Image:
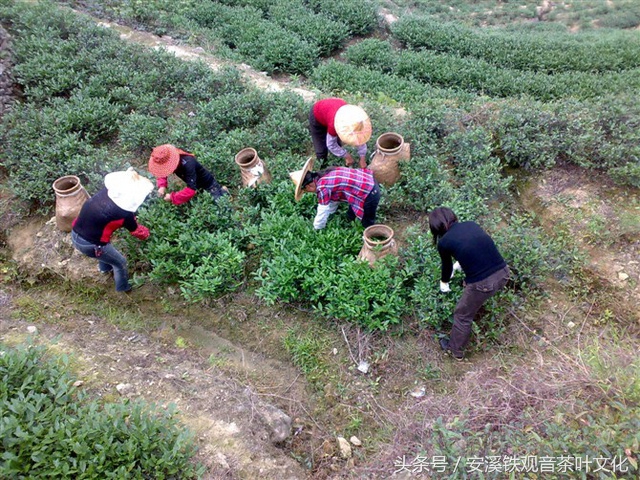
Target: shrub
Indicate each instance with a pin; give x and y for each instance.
(373, 53)
(481, 77)
(531, 51)
(38, 148)
(321, 267)
(196, 246)
(51, 429)
(338, 78)
(266, 46)
(360, 16)
(319, 30)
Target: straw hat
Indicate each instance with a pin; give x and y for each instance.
(127, 189)
(164, 160)
(352, 125)
(298, 177)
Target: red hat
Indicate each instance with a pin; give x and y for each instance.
(164, 160)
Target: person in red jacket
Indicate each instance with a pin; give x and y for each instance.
(167, 159)
(113, 207)
(334, 123)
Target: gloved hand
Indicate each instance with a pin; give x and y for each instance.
(141, 233)
(456, 268)
(444, 287)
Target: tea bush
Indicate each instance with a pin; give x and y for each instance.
(320, 267)
(38, 149)
(373, 53)
(265, 45)
(360, 16)
(51, 429)
(338, 78)
(317, 29)
(196, 246)
(531, 51)
(451, 70)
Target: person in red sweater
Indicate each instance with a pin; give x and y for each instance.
(334, 123)
(108, 210)
(167, 159)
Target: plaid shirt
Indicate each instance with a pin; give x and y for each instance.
(346, 185)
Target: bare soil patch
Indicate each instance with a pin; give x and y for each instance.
(605, 221)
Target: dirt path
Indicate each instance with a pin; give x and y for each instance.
(259, 79)
(237, 431)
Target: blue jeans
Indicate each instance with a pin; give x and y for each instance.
(110, 260)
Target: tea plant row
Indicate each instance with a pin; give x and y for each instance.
(549, 53)
(275, 36)
(50, 428)
(481, 77)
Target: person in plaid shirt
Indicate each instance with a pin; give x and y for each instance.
(357, 187)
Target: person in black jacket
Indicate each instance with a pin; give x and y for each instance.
(477, 256)
(111, 208)
(167, 159)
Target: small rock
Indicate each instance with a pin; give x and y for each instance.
(278, 422)
(78, 383)
(335, 351)
(622, 276)
(221, 459)
(363, 366)
(419, 392)
(355, 441)
(31, 329)
(345, 448)
(571, 325)
(122, 388)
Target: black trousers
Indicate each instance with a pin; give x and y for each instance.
(319, 137)
(215, 189)
(370, 207)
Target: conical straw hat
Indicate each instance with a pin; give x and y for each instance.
(127, 189)
(353, 125)
(298, 177)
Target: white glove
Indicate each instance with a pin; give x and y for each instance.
(444, 287)
(456, 268)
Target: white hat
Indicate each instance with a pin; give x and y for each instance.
(352, 125)
(127, 189)
(298, 177)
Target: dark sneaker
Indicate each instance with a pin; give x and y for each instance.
(444, 344)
